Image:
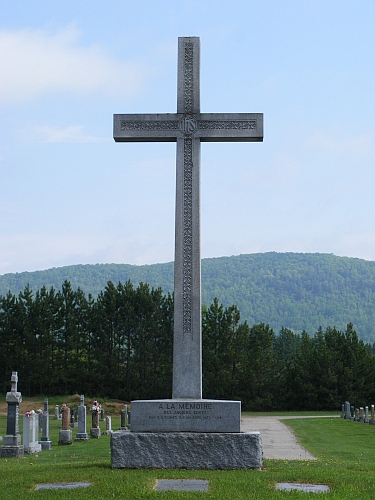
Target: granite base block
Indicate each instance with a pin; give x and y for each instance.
(186, 450)
(32, 449)
(95, 432)
(46, 445)
(65, 437)
(12, 451)
(82, 436)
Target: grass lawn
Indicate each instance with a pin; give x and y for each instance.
(346, 452)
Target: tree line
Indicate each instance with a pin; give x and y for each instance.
(120, 344)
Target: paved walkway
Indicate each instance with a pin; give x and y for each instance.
(278, 440)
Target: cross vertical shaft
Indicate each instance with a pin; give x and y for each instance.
(187, 343)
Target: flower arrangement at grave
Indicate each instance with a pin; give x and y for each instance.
(96, 408)
(30, 413)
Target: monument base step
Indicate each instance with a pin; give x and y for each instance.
(11, 451)
(32, 449)
(186, 450)
(185, 415)
(46, 445)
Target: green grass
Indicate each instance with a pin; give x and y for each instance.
(346, 452)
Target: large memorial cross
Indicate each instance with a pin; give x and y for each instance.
(188, 127)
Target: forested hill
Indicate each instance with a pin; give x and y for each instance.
(297, 291)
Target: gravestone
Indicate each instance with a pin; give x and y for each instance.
(82, 433)
(45, 442)
(361, 416)
(124, 417)
(347, 411)
(30, 433)
(40, 415)
(108, 425)
(57, 413)
(12, 440)
(175, 428)
(367, 420)
(65, 434)
(372, 420)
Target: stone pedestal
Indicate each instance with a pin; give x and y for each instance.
(95, 432)
(65, 436)
(186, 450)
(186, 433)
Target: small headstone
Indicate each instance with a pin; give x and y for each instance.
(30, 433)
(181, 485)
(352, 417)
(65, 435)
(101, 415)
(57, 413)
(367, 420)
(347, 410)
(82, 433)
(45, 442)
(108, 425)
(12, 441)
(342, 411)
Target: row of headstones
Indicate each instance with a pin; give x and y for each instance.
(12, 441)
(360, 414)
(73, 416)
(32, 422)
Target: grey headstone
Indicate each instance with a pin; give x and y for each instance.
(45, 442)
(82, 432)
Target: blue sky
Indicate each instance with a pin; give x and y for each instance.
(70, 195)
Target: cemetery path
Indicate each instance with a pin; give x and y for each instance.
(278, 440)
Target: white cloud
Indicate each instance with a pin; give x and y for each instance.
(35, 62)
(49, 134)
(340, 142)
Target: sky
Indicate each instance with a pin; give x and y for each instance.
(70, 195)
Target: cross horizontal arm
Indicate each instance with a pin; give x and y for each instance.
(204, 126)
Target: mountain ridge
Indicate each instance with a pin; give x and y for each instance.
(300, 291)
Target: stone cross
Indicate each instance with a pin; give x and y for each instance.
(188, 127)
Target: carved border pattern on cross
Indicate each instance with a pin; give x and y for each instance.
(187, 236)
